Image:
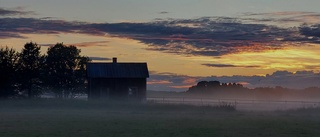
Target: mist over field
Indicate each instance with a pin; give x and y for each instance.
(65, 118)
(262, 99)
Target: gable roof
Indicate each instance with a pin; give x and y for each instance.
(117, 70)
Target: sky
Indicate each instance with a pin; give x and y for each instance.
(253, 42)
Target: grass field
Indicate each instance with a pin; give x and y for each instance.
(76, 118)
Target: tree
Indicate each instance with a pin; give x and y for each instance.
(65, 70)
(30, 65)
(8, 62)
(213, 84)
(202, 86)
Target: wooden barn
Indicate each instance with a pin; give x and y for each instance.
(117, 80)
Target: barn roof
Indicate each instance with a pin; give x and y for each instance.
(117, 70)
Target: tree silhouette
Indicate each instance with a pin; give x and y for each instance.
(65, 69)
(8, 81)
(30, 65)
(215, 86)
(202, 85)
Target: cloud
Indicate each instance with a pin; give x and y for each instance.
(283, 17)
(18, 26)
(99, 58)
(82, 44)
(170, 82)
(212, 36)
(280, 74)
(181, 87)
(313, 67)
(158, 82)
(228, 66)
(205, 36)
(311, 31)
(5, 35)
(163, 12)
(35, 26)
(15, 12)
(92, 43)
(284, 13)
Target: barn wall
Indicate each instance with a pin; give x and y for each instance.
(117, 88)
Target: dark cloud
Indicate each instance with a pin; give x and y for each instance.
(215, 36)
(309, 28)
(47, 45)
(206, 36)
(37, 26)
(5, 35)
(311, 31)
(82, 44)
(170, 82)
(100, 58)
(280, 74)
(163, 12)
(228, 66)
(17, 26)
(14, 12)
(91, 43)
(141, 30)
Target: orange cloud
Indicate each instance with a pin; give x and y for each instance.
(190, 81)
(244, 83)
(159, 82)
(88, 44)
(182, 86)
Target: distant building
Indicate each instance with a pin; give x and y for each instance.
(117, 80)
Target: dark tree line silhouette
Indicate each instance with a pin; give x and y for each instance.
(29, 73)
(214, 86)
(235, 90)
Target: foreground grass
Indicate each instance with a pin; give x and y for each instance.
(73, 118)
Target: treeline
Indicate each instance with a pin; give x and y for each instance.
(235, 90)
(214, 86)
(62, 70)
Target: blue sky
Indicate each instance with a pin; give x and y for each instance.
(242, 41)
